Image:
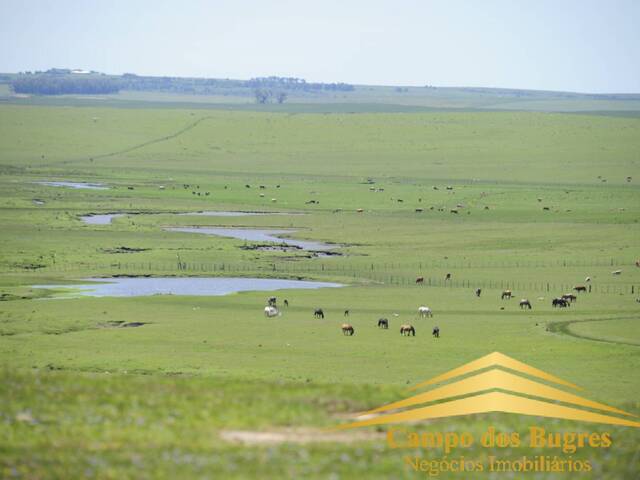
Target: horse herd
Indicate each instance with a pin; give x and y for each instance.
(562, 301)
(271, 310)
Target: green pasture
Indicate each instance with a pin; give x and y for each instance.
(533, 202)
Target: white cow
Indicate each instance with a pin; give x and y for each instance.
(271, 311)
(425, 312)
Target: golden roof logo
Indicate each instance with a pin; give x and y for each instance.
(493, 390)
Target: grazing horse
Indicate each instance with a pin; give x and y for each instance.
(436, 332)
(346, 313)
(420, 280)
(478, 292)
(524, 303)
(570, 297)
(425, 312)
(286, 302)
(560, 303)
(347, 329)
(318, 313)
(383, 323)
(580, 288)
(506, 294)
(448, 276)
(271, 301)
(271, 311)
(407, 330)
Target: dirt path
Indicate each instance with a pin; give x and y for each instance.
(297, 436)
(166, 138)
(564, 328)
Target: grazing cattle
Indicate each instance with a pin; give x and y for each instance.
(346, 313)
(318, 313)
(524, 303)
(506, 294)
(436, 332)
(580, 288)
(271, 301)
(271, 312)
(425, 312)
(560, 303)
(347, 329)
(478, 292)
(448, 276)
(286, 302)
(420, 280)
(383, 323)
(569, 297)
(407, 330)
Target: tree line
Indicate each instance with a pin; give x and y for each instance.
(64, 81)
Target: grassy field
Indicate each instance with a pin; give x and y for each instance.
(541, 202)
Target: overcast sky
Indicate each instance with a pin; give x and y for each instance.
(575, 45)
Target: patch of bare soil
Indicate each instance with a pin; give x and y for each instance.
(297, 436)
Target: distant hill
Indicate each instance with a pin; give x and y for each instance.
(276, 91)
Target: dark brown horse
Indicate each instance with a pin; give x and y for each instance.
(524, 303)
(506, 294)
(383, 323)
(420, 280)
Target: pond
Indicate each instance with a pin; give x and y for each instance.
(105, 218)
(91, 186)
(256, 235)
(212, 286)
(100, 219)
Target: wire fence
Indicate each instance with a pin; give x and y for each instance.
(384, 273)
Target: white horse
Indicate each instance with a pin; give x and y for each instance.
(271, 311)
(425, 312)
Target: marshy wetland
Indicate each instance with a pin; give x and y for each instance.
(542, 201)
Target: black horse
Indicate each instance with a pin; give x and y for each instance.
(286, 302)
(478, 292)
(272, 301)
(436, 332)
(560, 303)
(383, 323)
(318, 313)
